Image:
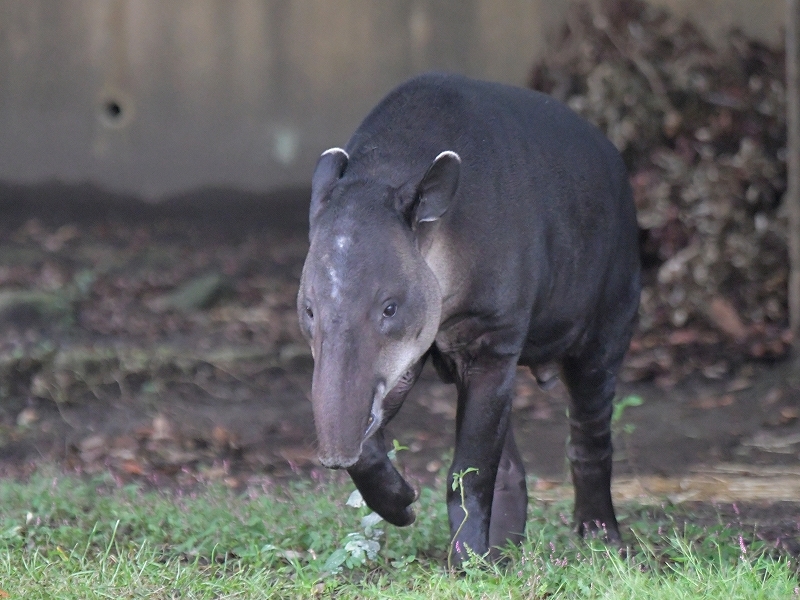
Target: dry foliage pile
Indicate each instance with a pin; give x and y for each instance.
(703, 131)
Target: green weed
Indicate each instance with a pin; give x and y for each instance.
(620, 406)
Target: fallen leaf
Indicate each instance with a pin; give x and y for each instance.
(772, 396)
(789, 414)
(143, 432)
(768, 442)
(709, 402)
(440, 406)
(122, 454)
(716, 371)
(681, 337)
(545, 484)
(93, 447)
(123, 447)
(132, 467)
(223, 438)
(739, 384)
(176, 456)
(162, 428)
(433, 466)
(27, 417)
(63, 234)
(726, 319)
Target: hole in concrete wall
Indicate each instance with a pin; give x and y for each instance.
(114, 111)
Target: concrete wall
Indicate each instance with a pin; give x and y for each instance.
(156, 97)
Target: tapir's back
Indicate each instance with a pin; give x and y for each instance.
(486, 123)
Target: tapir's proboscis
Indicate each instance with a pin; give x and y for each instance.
(482, 226)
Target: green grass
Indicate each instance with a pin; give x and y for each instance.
(62, 537)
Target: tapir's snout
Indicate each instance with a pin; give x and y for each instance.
(339, 443)
(332, 457)
(338, 447)
(345, 415)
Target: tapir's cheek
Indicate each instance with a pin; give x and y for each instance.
(396, 359)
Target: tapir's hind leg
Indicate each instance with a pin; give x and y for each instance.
(510, 501)
(591, 385)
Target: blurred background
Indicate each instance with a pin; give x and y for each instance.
(155, 158)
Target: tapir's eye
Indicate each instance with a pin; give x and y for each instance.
(390, 310)
(309, 312)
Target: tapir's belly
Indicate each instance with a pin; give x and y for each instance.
(553, 345)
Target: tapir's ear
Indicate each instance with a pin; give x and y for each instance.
(437, 188)
(329, 169)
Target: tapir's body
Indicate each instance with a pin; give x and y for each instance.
(485, 226)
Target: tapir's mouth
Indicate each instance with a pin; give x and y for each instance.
(335, 462)
(376, 411)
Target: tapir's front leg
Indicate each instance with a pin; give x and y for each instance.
(381, 485)
(484, 403)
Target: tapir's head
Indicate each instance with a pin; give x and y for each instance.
(368, 304)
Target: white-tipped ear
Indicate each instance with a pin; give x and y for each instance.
(437, 188)
(330, 167)
(335, 150)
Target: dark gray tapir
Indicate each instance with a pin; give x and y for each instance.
(483, 226)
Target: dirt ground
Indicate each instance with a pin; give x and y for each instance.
(159, 343)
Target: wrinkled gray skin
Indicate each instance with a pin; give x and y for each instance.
(482, 226)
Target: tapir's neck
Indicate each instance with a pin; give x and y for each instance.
(438, 255)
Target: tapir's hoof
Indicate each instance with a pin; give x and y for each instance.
(598, 530)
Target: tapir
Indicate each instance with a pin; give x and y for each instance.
(481, 226)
